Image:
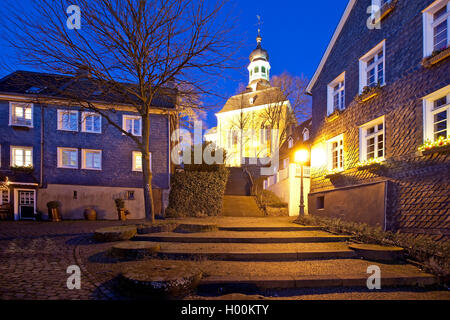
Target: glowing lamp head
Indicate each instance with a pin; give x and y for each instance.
(301, 156)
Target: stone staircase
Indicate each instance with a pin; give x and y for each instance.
(238, 183)
(253, 257)
(240, 206)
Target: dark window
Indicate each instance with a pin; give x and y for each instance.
(130, 195)
(320, 202)
(75, 195)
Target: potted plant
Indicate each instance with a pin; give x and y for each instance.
(120, 205)
(53, 211)
(90, 214)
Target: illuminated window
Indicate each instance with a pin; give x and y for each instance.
(372, 68)
(436, 115)
(132, 124)
(21, 156)
(92, 122)
(68, 158)
(436, 19)
(67, 120)
(92, 159)
(372, 144)
(137, 161)
(336, 153)
(21, 114)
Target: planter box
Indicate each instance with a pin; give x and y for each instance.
(363, 97)
(388, 8)
(333, 116)
(333, 175)
(442, 149)
(373, 166)
(430, 61)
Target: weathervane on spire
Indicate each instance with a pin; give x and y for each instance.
(259, 24)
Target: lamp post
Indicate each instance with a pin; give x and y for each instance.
(301, 156)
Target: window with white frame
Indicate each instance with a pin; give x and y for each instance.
(336, 94)
(372, 145)
(305, 134)
(21, 114)
(372, 67)
(21, 156)
(92, 122)
(137, 161)
(336, 153)
(68, 158)
(92, 159)
(290, 142)
(436, 31)
(132, 124)
(68, 120)
(4, 197)
(436, 115)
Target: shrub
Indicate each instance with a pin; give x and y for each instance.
(204, 167)
(197, 193)
(268, 198)
(53, 205)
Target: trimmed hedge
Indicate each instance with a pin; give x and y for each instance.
(197, 194)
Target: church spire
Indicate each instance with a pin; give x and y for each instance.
(259, 68)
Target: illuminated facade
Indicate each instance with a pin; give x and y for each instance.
(246, 125)
(380, 120)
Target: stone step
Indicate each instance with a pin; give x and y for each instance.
(244, 237)
(240, 206)
(271, 229)
(255, 252)
(226, 284)
(260, 256)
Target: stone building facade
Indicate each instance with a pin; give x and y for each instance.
(52, 151)
(378, 95)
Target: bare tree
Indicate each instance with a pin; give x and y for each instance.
(137, 51)
(241, 122)
(277, 116)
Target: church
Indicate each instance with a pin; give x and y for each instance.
(253, 124)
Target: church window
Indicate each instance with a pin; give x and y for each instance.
(256, 69)
(263, 69)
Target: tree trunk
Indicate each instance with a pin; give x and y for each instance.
(147, 173)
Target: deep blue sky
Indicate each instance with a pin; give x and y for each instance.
(295, 33)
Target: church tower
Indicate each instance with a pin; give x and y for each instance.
(259, 67)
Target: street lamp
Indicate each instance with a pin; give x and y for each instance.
(301, 156)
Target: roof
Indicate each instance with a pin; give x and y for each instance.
(254, 99)
(333, 40)
(297, 136)
(45, 85)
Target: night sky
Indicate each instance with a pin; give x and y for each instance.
(295, 33)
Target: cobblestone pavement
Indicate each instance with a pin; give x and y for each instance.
(34, 257)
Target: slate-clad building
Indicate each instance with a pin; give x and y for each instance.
(380, 118)
(53, 150)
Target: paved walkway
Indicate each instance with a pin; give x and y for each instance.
(34, 258)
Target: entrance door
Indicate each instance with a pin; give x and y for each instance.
(26, 204)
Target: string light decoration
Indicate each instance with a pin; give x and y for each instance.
(440, 142)
(370, 162)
